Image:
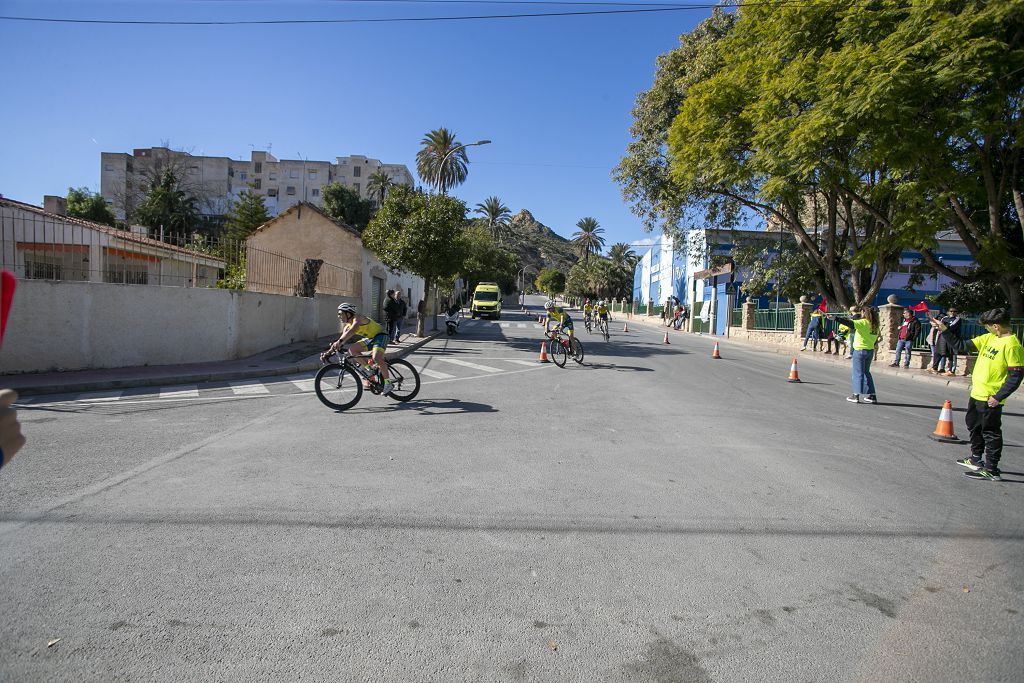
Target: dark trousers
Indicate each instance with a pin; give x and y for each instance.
(986, 427)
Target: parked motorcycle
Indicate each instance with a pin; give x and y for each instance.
(452, 318)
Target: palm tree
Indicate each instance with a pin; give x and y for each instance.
(622, 257)
(497, 215)
(378, 185)
(588, 239)
(441, 161)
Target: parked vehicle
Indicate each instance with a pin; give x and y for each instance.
(452, 318)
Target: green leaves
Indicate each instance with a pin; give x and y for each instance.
(82, 203)
(246, 214)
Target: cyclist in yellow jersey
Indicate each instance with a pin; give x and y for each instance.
(588, 310)
(602, 310)
(559, 315)
(371, 337)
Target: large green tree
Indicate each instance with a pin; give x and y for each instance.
(344, 204)
(484, 261)
(419, 233)
(168, 206)
(247, 213)
(441, 161)
(550, 281)
(82, 203)
(588, 238)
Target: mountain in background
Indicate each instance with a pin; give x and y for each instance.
(537, 245)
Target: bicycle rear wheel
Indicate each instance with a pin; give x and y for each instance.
(338, 386)
(577, 350)
(556, 353)
(406, 380)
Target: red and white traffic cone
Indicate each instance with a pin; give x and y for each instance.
(794, 376)
(944, 427)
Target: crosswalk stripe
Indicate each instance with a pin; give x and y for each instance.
(467, 364)
(302, 382)
(102, 396)
(435, 374)
(531, 363)
(504, 325)
(185, 391)
(249, 388)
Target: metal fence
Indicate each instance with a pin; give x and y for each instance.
(778, 319)
(697, 324)
(41, 246)
(969, 328)
(737, 317)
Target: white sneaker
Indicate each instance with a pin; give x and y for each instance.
(388, 388)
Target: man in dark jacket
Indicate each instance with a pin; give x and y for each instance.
(403, 310)
(391, 309)
(909, 331)
(944, 360)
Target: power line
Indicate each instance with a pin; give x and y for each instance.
(643, 9)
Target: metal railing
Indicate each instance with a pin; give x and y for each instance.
(737, 317)
(778, 319)
(42, 246)
(969, 328)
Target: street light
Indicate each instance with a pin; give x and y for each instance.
(453, 150)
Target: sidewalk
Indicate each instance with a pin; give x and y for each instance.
(958, 383)
(291, 359)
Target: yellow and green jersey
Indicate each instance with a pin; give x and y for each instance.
(370, 329)
(558, 314)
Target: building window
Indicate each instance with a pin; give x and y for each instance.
(108, 167)
(243, 175)
(193, 170)
(312, 173)
(293, 174)
(273, 176)
(258, 167)
(126, 275)
(43, 270)
(272, 192)
(291, 189)
(231, 173)
(258, 184)
(316, 191)
(357, 171)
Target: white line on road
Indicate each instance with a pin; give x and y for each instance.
(467, 364)
(520, 362)
(248, 388)
(180, 392)
(101, 396)
(434, 373)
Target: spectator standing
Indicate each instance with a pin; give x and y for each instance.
(390, 314)
(864, 335)
(909, 330)
(997, 374)
(814, 329)
(933, 344)
(403, 311)
(945, 353)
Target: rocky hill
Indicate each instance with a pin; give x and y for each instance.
(537, 245)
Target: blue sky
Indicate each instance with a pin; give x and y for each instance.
(553, 94)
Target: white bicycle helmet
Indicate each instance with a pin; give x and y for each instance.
(549, 304)
(347, 308)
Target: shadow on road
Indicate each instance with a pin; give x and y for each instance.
(937, 407)
(432, 406)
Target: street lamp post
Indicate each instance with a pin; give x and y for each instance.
(453, 150)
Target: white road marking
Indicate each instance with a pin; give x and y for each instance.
(101, 396)
(434, 373)
(180, 392)
(467, 364)
(303, 382)
(520, 362)
(248, 388)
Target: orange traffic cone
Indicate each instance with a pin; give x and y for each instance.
(665, 341)
(794, 376)
(944, 427)
(625, 327)
(543, 353)
(715, 353)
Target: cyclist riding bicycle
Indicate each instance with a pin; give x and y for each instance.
(588, 309)
(371, 336)
(602, 310)
(559, 315)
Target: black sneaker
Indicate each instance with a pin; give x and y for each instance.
(985, 475)
(870, 398)
(854, 398)
(970, 463)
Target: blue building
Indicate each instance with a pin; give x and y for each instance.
(681, 269)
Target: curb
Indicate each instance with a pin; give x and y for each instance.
(310, 364)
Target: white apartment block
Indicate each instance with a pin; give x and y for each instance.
(217, 181)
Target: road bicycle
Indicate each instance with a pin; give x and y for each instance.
(588, 323)
(340, 385)
(602, 328)
(561, 347)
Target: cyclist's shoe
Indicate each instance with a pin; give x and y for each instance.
(970, 464)
(389, 386)
(366, 384)
(985, 475)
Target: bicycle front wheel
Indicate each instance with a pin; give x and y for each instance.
(577, 350)
(338, 386)
(557, 353)
(406, 380)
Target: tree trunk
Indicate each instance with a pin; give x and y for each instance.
(1011, 286)
(421, 318)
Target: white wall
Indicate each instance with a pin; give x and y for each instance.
(372, 267)
(85, 325)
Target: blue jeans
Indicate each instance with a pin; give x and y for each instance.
(863, 382)
(901, 346)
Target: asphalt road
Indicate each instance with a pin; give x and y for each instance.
(651, 515)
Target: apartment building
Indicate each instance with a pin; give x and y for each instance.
(217, 181)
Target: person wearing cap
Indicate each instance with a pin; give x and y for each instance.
(997, 373)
